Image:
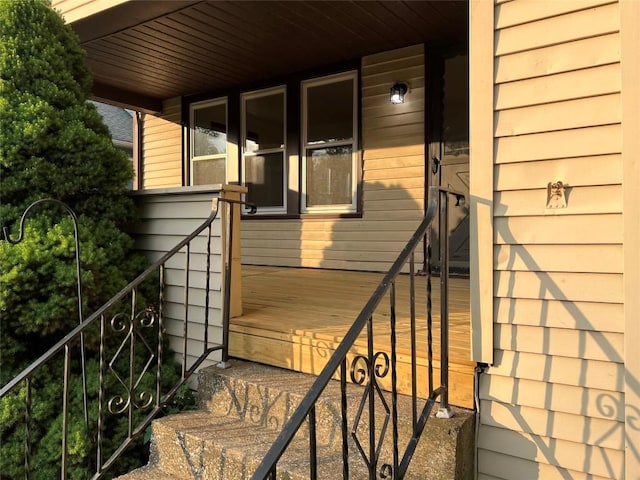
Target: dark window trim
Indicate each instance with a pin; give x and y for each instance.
(292, 84)
(303, 216)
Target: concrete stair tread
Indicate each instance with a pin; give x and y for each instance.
(245, 407)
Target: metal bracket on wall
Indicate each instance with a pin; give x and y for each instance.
(556, 197)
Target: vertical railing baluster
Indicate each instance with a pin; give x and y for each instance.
(344, 425)
(373, 461)
(394, 377)
(412, 318)
(272, 474)
(429, 319)
(101, 393)
(27, 428)
(313, 445)
(132, 361)
(207, 293)
(185, 326)
(444, 410)
(160, 335)
(65, 412)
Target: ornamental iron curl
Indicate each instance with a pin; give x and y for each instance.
(131, 326)
(372, 372)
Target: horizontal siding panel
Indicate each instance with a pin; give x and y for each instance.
(271, 229)
(564, 28)
(576, 172)
(158, 150)
(597, 140)
(166, 243)
(197, 297)
(378, 81)
(587, 287)
(559, 229)
(573, 114)
(590, 459)
(394, 184)
(580, 200)
(151, 227)
(546, 423)
(394, 152)
(554, 88)
(163, 183)
(169, 175)
(601, 317)
(559, 258)
(327, 254)
(399, 162)
(362, 232)
(560, 342)
(415, 194)
(370, 266)
(320, 245)
(394, 205)
(564, 57)
(570, 399)
(394, 173)
(524, 11)
(511, 467)
(563, 370)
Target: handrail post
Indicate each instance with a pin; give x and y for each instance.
(445, 410)
(232, 274)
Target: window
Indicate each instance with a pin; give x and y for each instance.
(208, 150)
(329, 143)
(263, 149)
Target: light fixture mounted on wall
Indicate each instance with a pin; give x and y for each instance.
(398, 91)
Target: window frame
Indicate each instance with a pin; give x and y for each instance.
(280, 210)
(192, 158)
(305, 145)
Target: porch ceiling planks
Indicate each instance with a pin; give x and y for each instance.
(295, 318)
(143, 51)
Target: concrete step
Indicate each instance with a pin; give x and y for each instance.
(243, 409)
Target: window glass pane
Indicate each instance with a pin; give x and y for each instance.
(329, 180)
(264, 178)
(210, 130)
(206, 172)
(264, 122)
(330, 112)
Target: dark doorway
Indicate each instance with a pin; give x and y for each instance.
(448, 146)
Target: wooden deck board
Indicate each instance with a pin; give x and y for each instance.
(295, 317)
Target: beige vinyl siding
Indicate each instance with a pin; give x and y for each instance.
(167, 216)
(551, 404)
(392, 189)
(162, 147)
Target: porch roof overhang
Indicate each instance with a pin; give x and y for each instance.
(142, 52)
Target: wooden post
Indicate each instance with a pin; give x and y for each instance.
(232, 192)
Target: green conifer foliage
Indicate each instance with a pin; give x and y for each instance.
(52, 144)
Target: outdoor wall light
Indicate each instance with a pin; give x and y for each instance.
(398, 91)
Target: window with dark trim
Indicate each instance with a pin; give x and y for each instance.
(264, 169)
(294, 146)
(208, 142)
(329, 144)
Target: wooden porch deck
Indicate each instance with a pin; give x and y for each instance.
(295, 317)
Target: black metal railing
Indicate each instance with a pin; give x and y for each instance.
(368, 370)
(129, 332)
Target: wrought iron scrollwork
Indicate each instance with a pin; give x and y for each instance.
(131, 326)
(364, 369)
